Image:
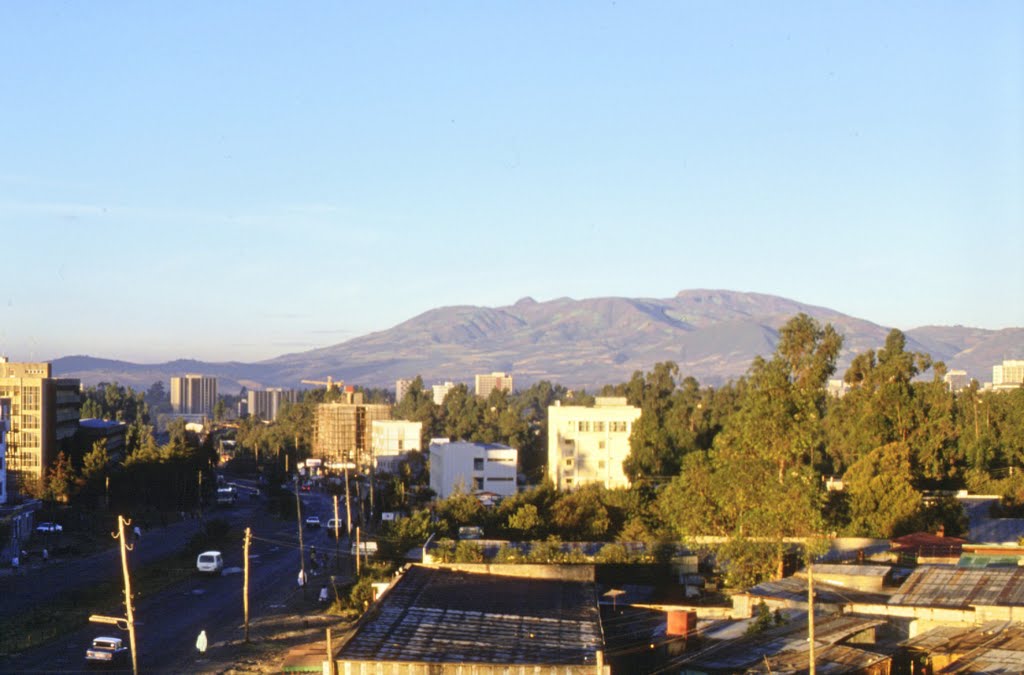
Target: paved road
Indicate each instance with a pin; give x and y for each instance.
(169, 622)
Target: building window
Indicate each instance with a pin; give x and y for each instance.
(478, 483)
(600, 464)
(600, 445)
(478, 464)
(568, 463)
(584, 426)
(598, 426)
(617, 427)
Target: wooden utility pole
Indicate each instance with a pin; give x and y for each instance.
(337, 538)
(357, 551)
(130, 614)
(330, 654)
(302, 551)
(245, 582)
(810, 615)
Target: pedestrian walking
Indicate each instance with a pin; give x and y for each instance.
(46, 555)
(302, 578)
(201, 642)
(323, 595)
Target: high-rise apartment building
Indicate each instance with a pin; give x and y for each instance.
(485, 384)
(193, 394)
(1008, 375)
(401, 389)
(43, 417)
(343, 432)
(266, 403)
(589, 444)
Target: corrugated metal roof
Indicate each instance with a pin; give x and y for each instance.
(994, 648)
(794, 589)
(749, 652)
(962, 588)
(850, 570)
(446, 616)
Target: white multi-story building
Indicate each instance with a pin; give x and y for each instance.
(956, 379)
(392, 440)
(1008, 375)
(475, 467)
(589, 444)
(266, 404)
(441, 390)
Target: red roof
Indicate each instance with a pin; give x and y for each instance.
(933, 542)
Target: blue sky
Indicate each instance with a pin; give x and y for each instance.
(241, 180)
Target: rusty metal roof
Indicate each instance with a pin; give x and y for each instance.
(962, 588)
(447, 616)
(794, 589)
(996, 647)
(786, 642)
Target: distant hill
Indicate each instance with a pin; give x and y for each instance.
(712, 334)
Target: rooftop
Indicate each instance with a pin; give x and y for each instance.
(962, 588)
(446, 616)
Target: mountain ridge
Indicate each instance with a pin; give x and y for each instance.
(712, 334)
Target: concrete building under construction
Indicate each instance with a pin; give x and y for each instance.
(343, 431)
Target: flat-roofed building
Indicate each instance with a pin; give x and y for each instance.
(343, 432)
(193, 394)
(956, 379)
(473, 467)
(1008, 375)
(401, 389)
(267, 403)
(536, 619)
(113, 434)
(589, 444)
(44, 417)
(392, 440)
(485, 384)
(440, 391)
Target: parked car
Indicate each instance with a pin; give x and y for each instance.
(210, 562)
(312, 521)
(340, 523)
(49, 527)
(106, 652)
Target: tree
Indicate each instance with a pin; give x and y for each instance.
(219, 410)
(883, 501)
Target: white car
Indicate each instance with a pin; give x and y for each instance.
(210, 562)
(107, 651)
(49, 527)
(313, 521)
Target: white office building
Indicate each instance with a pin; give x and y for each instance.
(392, 440)
(589, 444)
(475, 467)
(266, 403)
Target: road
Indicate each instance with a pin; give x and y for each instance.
(169, 622)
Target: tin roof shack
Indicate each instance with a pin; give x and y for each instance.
(842, 644)
(955, 596)
(836, 588)
(996, 647)
(924, 548)
(448, 618)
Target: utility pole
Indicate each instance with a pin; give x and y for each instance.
(130, 614)
(199, 497)
(337, 539)
(330, 654)
(810, 614)
(245, 582)
(302, 551)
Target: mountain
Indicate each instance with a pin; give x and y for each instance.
(712, 334)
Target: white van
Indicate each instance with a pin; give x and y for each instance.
(210, 562)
